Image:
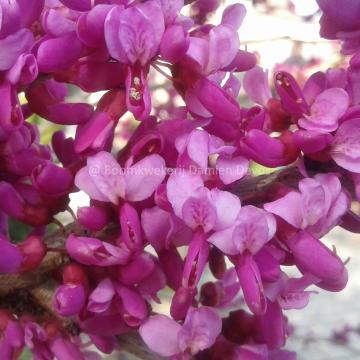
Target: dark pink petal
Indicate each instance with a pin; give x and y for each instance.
(11, 257)
(312, 256)
(12, 203)
(273, 326)
(78, 5)
(195, 261)
(63, 349)
(160, 334)
(101, 297)
(137, 270)
(90, 251)
(105, 344)
(243, 61)
(69, 299)
(56, 24)
(292, 98)
(58, 53)
(11, 116)
(312, 141)
(92, 218)
(130, 227)
(24, 71)
(268, 264)
(135, 307)
(13, 46)
(68, 113)
(108, 324)
(268, 151)
(90, 26)
(181, 302)
(216, 100)
(154, 283)
(95, 133)
(174, 43)
(51, 179)
(251, 284)
(138, 99)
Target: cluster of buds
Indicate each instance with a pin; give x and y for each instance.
(169, 196)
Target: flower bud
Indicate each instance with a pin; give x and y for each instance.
(33, 251)
(51, 179)
(93, 218)
(181, 302)
(69, 299)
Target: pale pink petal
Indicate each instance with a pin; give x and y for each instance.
(107, 175)
(252, 229)
(198, 211)
(234, 15)
(345, 150)
(288, 208)
(160, 334)
(231, 170)
(227, 207)
(256, 85)
(327, 109)
(180, 187)
(223, 241)
(84, 182)
(144, 177)
(200, 330)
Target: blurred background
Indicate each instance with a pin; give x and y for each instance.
(284, 35)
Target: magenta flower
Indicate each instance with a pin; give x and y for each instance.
(69, 299)
(168, 338)
(123, 300)
(90, 251)
(252, 229)
(317, 207)
(133, 37)
(199, 206)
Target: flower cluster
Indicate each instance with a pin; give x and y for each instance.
(220, 256)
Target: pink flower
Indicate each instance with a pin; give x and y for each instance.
(168, 338)
(103, 179)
